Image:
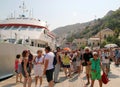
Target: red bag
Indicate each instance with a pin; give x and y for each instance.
(105, 79)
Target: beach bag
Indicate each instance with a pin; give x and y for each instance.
(105, 79)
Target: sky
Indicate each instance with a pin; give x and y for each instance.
(59, 13)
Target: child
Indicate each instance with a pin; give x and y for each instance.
(18, 68)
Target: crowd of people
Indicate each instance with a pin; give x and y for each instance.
(71, 62)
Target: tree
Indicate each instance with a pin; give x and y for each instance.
(113, 39)
(83, 46)
(110, 39)
(103, 44)
(117, 41)
(117, 31)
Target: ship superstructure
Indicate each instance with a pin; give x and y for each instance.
(21, 33)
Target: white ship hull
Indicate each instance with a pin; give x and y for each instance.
(7, 57)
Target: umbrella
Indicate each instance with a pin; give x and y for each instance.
(111, 45)
(66, 49)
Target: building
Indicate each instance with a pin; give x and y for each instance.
(77, 43)
(94, 42)
(103, 34)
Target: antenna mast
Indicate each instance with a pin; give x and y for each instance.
(24, 10)
(31, 13)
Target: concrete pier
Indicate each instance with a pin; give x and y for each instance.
(75, 81)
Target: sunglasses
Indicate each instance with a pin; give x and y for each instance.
(95, 55)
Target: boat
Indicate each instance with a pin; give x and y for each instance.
(18, 34)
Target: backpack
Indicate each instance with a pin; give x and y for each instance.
(55, 60)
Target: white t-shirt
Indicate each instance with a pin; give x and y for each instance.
(103, 58)
(74, 55)
(50, 56)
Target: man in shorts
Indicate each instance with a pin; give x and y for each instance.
(48, 66)
(105, 61)
(86, 57)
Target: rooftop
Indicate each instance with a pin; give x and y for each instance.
(94, 38)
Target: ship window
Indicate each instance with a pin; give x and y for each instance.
(32, 43)
(31, 29)
(38, 29)
(38, 45)
(15, 28)
(44, 32)
(23, 28)
(7, 28)
(11, 40)
(2, 27)
(19, 41)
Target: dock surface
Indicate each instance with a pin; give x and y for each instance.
(75, 81)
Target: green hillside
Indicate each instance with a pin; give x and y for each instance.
(86, 30)
(111, 21)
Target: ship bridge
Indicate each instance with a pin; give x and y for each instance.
(23, 30)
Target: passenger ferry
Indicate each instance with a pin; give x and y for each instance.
(18, 34)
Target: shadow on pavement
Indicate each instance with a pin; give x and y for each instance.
(62, 79)
(74, 78)
(84, 78)
(9, 85)
(6, 78)
(113, 76)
